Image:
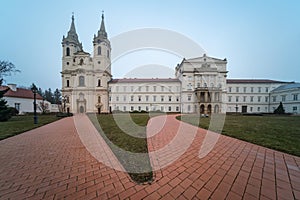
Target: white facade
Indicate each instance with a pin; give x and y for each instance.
(199, 86)
(289, 95)
(85, 78)
(250, 96)
(145, 95)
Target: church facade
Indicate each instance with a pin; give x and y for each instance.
(200, 85)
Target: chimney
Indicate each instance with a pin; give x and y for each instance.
(12, 86)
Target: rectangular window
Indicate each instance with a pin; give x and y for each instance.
(189, 108)
(170, 88)
(162, 98)
(131, 98)
(170, 98)
(117, 88)
(229, 89)
(177, 98)
(258, 109)
(109, 89)
(295, 108)
(229, 99)
(251, 99)
(237, 89)
(252, 89)
(147, 108)
(295, 97)
(147, 88)
(124, 98)
(124, 88)
(251, 109)
(245, 89)
(259, 89)
(189, 98)
(267, 89)
(177, 88)
(140, 88)
(170, 108)
(140, 98)
(177, 109)
(259, 99)
(237, 99)
(139, 108)
(117, 98)
(124, 108)
(283, 98)
(162, 88)
(274, 98)
(131, 108)
(131, 88)
(266, 99)
(162, 108)
(109, 98)
(147, 98)
(244, 99)
(154, 88)
(68, 83)
(154, 98)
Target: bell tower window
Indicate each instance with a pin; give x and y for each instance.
(68, 83)
(81, 80)
(99, 50)
(68, 51)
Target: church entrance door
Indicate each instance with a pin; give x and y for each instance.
(81, 109)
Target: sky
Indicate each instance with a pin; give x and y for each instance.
(259, 39)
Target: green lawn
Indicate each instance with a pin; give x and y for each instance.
(20, 124)
(135, 141)
(277, 132)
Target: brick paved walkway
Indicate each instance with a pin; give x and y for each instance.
(51, 162)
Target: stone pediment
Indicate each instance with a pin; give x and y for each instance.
(206, 59)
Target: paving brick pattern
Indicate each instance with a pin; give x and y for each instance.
(51, 162)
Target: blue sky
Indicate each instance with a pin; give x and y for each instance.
(260, 39)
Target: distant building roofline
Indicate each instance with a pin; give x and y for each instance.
(143, 80)
(254, 81)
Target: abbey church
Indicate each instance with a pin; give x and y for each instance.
(200, 85)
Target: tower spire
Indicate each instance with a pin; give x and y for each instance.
(72, 36)
(102, 32)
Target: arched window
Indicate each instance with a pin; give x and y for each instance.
(68, 51)
(108, 53)
(99, 82)
(81, 80)
(99, 50)
(81, 62)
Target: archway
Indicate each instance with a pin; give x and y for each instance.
(81, 109)
(202, 109)
(216, 109)
(209, 109)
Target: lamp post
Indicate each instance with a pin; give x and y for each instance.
(34, 90)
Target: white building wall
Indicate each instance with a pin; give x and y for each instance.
(25, 105)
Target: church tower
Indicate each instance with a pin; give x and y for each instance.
(85, 78)
(102, 49)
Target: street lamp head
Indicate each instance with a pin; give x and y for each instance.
(34, 89)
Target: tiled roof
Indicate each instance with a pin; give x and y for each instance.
(253, 81)
(143, 80)
(20, 93)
